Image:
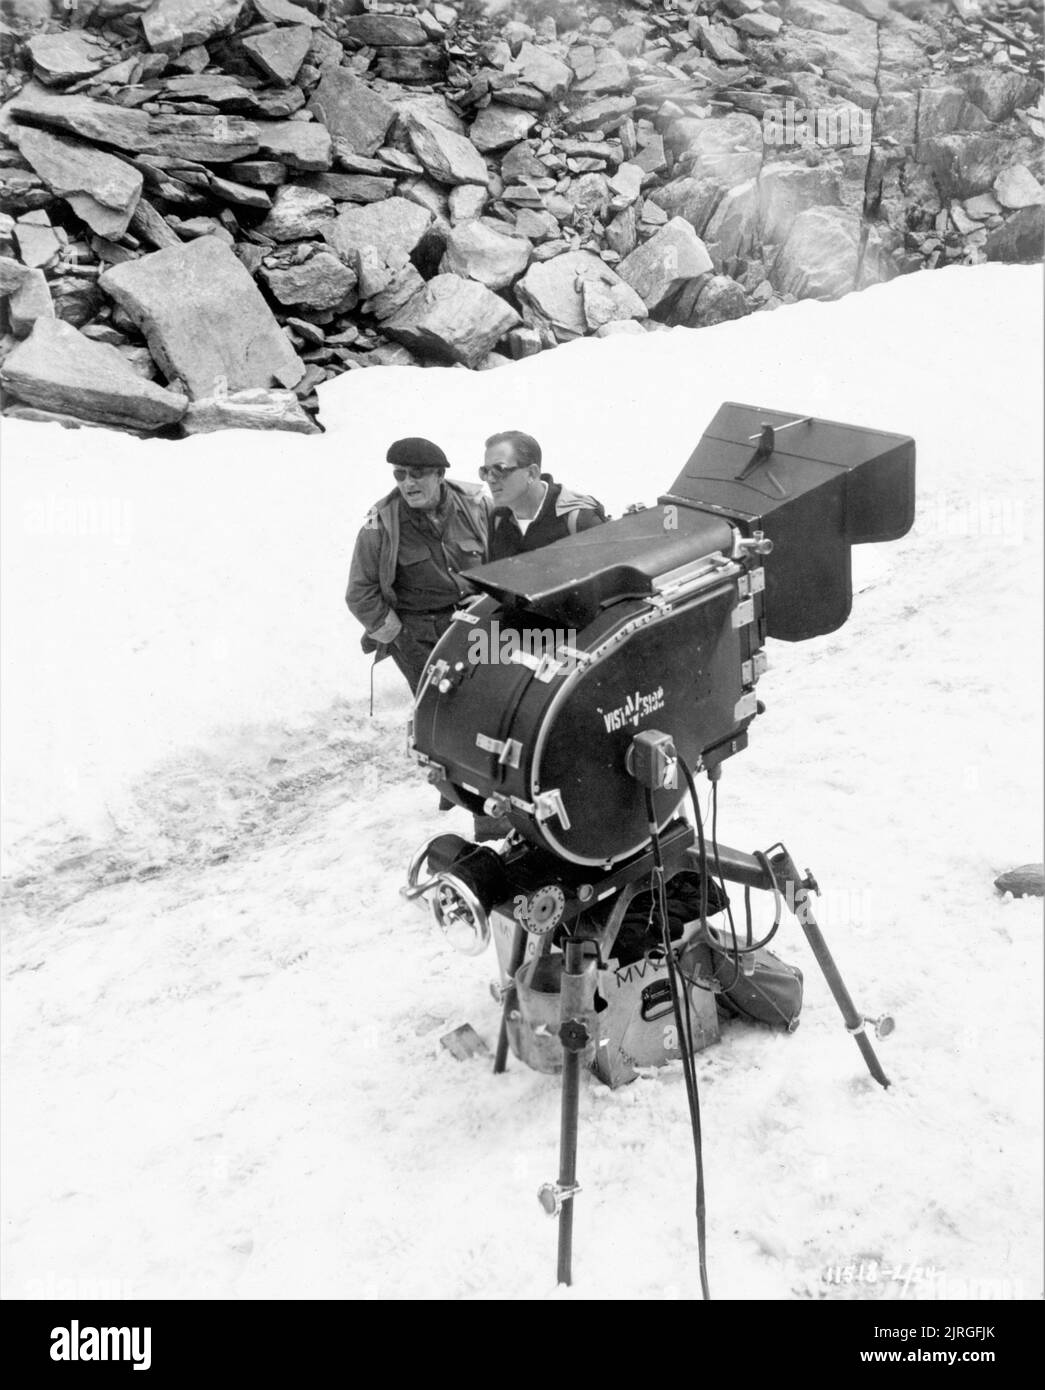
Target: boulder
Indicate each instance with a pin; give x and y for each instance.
(447, 156)
(1026, 881)
(1017, 188)
(998, 91)
(279, 53)
(257, 408)
(785, 190)
(964, 165)
(467, 200)
(401, 284)
(171, 25)
(204, 319)
(605, 114)
(30, 301)
(396, 224)
(356, 115)
(414, 65)
(694, 200)
(538, 68)
(498, 126)
(720, 299)
(820, 256)
(619, 327)
(945, 109)
(67, 55)
(725, 148)
(38, 244)
(350, 188)
(298, 213)
(304, 145)
(551, 293)
(660, 266)
(452, 320)
(214, 139)
(732, 231)
(229, 191)
(58, 369)
(610, 74)
(476, 252)
(384, 30)
(1019, 239)
(286, 12)
(101, 189)
(609, 303)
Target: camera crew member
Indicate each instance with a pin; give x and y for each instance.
(404, 581)
(530, 508)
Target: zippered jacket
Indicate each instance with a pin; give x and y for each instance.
(371, 595)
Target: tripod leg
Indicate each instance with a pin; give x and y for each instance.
(574, 1036)
(515, 961)
(853, 1020)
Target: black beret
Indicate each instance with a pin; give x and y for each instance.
(417, 453)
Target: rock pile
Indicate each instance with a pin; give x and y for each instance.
(206, 209)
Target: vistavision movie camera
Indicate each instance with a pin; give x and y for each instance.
(600, 897)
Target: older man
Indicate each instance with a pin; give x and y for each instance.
(404, 582)
(530, 508)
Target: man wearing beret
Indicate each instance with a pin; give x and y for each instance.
(404, 583)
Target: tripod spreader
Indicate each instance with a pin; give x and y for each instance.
(777, 871)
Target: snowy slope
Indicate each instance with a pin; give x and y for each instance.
(221, 1023)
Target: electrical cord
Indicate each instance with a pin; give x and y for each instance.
(659, 893)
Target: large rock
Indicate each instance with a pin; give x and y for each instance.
(1018, 188)
(732, 232)
(102, 190)
(171, 25)
(1020, 239)
(209, 139)
(279, 53)
(551, 294)
(945, 109)
(452, 320)
(67, 55)
(607, 113)
(605, 303)
(477, 252)
(692, 199)
(820, 258)
(659, 267)
(998, 91)
(725, 148)
(255, 409)
(537, 67)
(1028, 880)
(385, 30)
(58, 369)
(396, 225)
(28, 296)
(304, 145)
(611, 74)
(498, 126)
(785, 190)
(447, 156)
(204, 319)
(298, 213)
(355, 114)
(964, 165)
(323, 282)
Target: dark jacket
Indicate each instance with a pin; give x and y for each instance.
(371, 582)
(563, 513)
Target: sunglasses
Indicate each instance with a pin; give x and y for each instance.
(498, 471)
(414, 474)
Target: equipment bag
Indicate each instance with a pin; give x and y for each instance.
(766, 990)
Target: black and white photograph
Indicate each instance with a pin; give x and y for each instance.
(522, 604)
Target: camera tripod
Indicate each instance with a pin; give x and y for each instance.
(670, 852)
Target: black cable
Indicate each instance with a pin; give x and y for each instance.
(692, 787)
(688, 1065)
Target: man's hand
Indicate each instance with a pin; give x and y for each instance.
(388, 631)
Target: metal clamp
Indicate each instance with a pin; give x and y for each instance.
(552, 1195)
(883, 1026)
